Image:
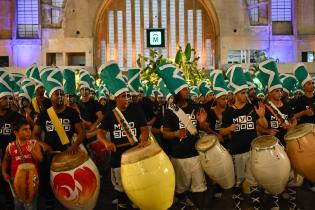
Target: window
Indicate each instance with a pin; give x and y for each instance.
(27, 19)
(253, 11)
(308, 56)
(245, 56)
(4, 61)
(76, 59)
(281, 10)
(56, 11)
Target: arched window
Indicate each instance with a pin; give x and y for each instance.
(27, 19)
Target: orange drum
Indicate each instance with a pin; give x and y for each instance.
(300, 144)
(75, 180)
(26, 182)
(216, 161)
(270, 164)
(148, 177)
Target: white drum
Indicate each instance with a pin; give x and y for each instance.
(216, 161)
(270, 164)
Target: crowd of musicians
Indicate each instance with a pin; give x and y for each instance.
(124, 113)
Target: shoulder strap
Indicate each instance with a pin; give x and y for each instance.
(59, 128)
(35, 105)
(183, 117)
(18, 146)
(277, 114)
(125, 126)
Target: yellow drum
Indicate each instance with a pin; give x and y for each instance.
(216, 161)
(148, 177)
(26, 182)
(300, 144)
(75, 180)
(270, 164)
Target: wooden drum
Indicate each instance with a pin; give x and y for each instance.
(26, 182)
(75, 180)
(270, 164)
(216, 161)
(300, 144)
(148, 177)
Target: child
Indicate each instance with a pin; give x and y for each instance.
(22, 150)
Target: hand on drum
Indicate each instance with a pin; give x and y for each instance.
(144, 143)
(6, 177)
(308, 112)
(273, 131)
(181, 134)
(260, 110)
(73, 149)
(109, 146)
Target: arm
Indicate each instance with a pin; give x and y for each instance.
(262, 122)
(80, 130)
(306, 112)
(168, 134)
(5, 165)
(101, 136)
(228, 130)
(36, 132)
(100, 116)
(144, 135)
(37, 152)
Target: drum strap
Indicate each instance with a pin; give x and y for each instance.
(35, 105)
(277, 114)
(58, 126)
(20, 150)
(184, 118)
(125, 126)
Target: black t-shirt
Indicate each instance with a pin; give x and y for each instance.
(90, 108)
(45, 104)
(242, 137)
(136, 119)
(305, 103)
(274, 124)
(6, 132)
(215, 123)
(69, 117)
(184, 148)
(148, 107)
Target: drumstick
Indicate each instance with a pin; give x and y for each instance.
(54, 152)
(12, 189)
(122, 145)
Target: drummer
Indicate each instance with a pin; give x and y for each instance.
(70, 123)
(39, 103)
(22, 150)
(214, 115)
(305, 104)
(188, 171)
(125, 123)
(279, 115)
(7, 115)
(239, 122)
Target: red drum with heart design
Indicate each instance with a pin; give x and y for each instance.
(75, 180)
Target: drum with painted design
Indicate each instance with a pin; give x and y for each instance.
(270, 164)
(300, 144)
(148, 177)
(26, 182)
(216, 161)
(75, 180)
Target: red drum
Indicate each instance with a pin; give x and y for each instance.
(300, 144)
(75, 180)
(270, 164)
(26, 182)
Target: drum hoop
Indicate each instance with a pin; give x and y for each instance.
(205, 149)
(68, 165)
(268, 147)
(286, 138)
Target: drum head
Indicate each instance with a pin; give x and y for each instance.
(206, 142)
(65, 162)
(299, 131)
(26, 166)
(137, 153)
(264, 142)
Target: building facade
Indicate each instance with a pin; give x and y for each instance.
(92, 32)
